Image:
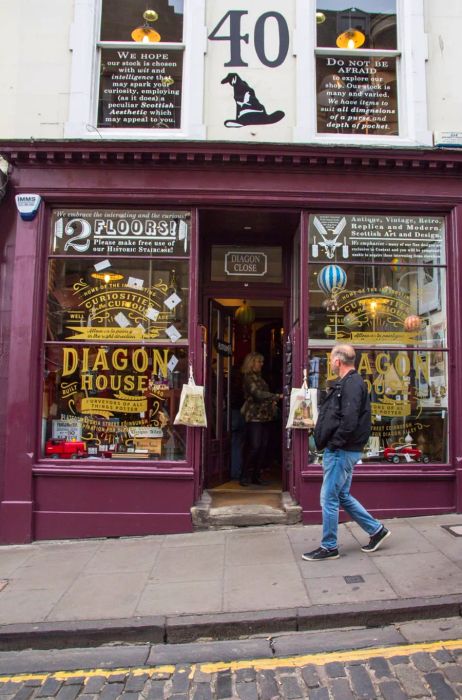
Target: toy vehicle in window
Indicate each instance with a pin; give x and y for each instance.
(407, 452)
(65, 449)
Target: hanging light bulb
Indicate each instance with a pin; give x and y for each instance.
(107, 276)
(145, 34)
(353, 26)
(351, 39)
(245, 315)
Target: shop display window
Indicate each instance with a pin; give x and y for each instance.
(116, 349)
(357, 68)
(409, 401)
(132, 300)
(394, 313)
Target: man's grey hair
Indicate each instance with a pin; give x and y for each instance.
(345, 353)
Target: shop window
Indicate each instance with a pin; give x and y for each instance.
(134, 63)
(379, 283)
(116, 349)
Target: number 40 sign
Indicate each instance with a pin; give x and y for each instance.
(231, 28)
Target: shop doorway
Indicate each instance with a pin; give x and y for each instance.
(235, 328)
(248, 275)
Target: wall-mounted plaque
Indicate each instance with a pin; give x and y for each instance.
(246, 263)
(251, 263)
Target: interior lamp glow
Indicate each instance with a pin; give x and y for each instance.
(145, 34)
(107, 276)
(351, 39)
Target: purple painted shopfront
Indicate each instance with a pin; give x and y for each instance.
(149, 263)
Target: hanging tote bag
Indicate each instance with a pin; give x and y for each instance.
(191, 411)
(303, 412)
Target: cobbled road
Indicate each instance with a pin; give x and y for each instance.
(424, 670)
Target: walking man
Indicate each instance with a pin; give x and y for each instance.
(342, 429)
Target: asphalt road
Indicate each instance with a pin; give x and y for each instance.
(412, 660)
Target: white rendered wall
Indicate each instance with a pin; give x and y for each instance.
(35, 75)
(443, 24)
(35, 65)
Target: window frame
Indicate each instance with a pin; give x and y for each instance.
(319, 347)
(86, 46)
(184, 344)
(411, 55)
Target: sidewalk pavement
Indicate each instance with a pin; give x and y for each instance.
(225, 584)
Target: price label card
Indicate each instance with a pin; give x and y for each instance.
(172, 363)
(122, 320)
(152, 313)
(135, 283)
(172, 301)
(173, 333)
(103, 265)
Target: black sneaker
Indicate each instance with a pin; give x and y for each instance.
(320, 554)
(376, 540)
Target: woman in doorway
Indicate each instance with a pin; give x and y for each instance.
(259, 410)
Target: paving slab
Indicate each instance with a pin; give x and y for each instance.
(335, 589)
(96, 596)
(404, 539)
(178, 597)
(124, 555)
(198, 563)
(253, 547)
(352, 564)
(27, 605)
(411, 574)
(12, 558)
(263, 586)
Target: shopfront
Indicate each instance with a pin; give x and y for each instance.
(134, 274)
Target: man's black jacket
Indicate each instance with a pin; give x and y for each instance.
(344, 419)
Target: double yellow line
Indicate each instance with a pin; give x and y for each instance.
(319, 659)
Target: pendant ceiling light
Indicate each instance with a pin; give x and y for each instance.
(145, 34)
(353, 26)
(107, 276)
(351, 39)
(245, 315)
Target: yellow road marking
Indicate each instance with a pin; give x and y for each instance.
(318, 659)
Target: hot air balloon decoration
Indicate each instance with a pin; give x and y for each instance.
(332, 279)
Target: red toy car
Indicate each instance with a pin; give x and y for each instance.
(407, 452)
(65, 449)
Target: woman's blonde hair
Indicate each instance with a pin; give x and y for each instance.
(249, 362)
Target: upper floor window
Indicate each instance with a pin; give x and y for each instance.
(141, 66)
(361, 72)
(356, 67)
(128, 74)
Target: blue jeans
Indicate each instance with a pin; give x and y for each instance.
(335, 492)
